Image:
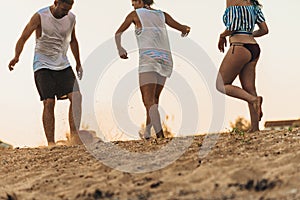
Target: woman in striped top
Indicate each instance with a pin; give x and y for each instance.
(240, 18)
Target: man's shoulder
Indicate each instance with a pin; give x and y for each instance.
(43, 10)
(71, 15)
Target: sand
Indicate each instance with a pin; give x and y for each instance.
(262, 165)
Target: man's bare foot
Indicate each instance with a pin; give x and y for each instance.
(257, 107)
(75, 140)
(51, 144)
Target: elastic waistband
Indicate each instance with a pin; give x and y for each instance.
(243, 44)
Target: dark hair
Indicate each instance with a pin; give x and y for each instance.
(148, 2)
(256, 3)
(70, 2)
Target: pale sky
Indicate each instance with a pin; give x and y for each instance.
(277, 71)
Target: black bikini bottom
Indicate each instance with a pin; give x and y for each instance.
(253, 48)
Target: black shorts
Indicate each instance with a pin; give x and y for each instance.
(59, 84)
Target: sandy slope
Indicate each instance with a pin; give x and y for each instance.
(263, 165)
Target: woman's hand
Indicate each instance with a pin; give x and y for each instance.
(12, 63)
(122, 53)
(185, 31)
(222, 44)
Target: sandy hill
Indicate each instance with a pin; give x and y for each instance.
(262, 165)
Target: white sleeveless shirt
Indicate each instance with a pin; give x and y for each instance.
(153, 43)
(51, 48)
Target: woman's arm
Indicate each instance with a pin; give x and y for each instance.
(222, 39)
(174, 24)
(124, 26)
(263, 30)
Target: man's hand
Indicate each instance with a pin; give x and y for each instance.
(12, 63)
(79, 71)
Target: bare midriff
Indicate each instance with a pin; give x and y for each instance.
(242, 38)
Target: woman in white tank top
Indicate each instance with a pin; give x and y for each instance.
(155, 59)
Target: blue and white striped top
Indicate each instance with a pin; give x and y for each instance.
(242, 19)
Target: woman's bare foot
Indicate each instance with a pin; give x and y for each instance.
(160, 134)
(257, 107)
(147, 135)
(252, 130)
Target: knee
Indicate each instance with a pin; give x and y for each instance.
(76, 97)
(220, 86)
(149, 102)
(49, 103)
(250, 89)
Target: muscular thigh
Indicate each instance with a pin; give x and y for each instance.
(247, 76)
(233, 63)
(66, 83)
(45, 83)
(151, 84)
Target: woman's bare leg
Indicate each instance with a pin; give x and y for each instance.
(150, 87)
(232, 66)
(159, 87)
(247, 78)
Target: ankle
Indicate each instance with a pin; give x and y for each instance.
(51, 143)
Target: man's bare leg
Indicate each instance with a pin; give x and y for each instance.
(49, 120)
(75, 116)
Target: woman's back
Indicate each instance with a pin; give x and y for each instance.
(242, 19)
(151, 17)
(153, 33)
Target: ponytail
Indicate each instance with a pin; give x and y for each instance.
(148, 2)
(256, 3)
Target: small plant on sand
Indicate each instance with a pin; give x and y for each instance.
(167, 130)
(241, 124)
(240, 135)
(237, 131)
(240, 127)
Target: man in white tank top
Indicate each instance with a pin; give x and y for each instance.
(155, 59)
(55, 32)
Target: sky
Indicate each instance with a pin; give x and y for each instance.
(277, 71)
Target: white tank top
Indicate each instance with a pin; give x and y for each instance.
(51, 48)
(153, 42)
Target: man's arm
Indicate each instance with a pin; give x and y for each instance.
(124, 26)
(75, 50)
(174, 24)
(33, 24)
